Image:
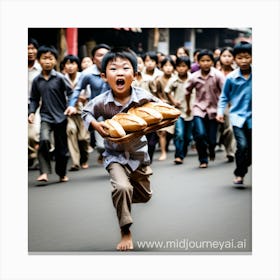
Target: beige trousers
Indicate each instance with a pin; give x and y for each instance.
(78, 140)
(129, 187)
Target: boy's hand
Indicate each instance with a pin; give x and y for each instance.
(100, 128)
(31, 118)
(220, 118)
(70, 111)
(188, 112)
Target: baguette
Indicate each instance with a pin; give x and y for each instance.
(114, 129)
(167, 111)
(129, 122)
(150, 115)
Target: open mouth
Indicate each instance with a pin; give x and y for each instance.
(120, 82)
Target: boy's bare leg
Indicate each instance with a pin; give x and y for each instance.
(126, 240)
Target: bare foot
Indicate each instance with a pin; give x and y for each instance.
(162, 157)
(85, 166)
(126, 242)
(43, 178)
(63, 179)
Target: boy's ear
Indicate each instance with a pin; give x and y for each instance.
(103, 76)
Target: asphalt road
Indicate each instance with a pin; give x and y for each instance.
(192, 211)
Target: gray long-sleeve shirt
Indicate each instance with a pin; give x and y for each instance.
(53, 95)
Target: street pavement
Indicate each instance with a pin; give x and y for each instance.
(192, 211)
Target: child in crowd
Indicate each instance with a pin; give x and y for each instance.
(149, 74)
(128, 164)
(208, 83)
(78, 136)
(237, 91)
(50, 89)
(225, 131)
(176, 90)
(167, 66)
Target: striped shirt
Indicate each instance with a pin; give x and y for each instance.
(133, 153)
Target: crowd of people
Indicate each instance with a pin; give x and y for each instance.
(68, 107)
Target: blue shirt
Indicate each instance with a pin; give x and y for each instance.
(132, 153)
(94, 80)
(237, 91)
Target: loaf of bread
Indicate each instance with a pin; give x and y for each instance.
(114, 129)
(150, 115)
(129, 122)
(167, 111)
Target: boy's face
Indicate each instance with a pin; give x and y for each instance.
(71, 67)
(182, 69)
(97, 59)
(150, 64)
(119, 75)
(47, 61)
(32, 52)
(205, 63)
(243, 60)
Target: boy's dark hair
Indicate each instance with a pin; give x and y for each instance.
(121, 52)
(205, 52)
(72, 58)
(152, 55)
(34, 42)
(183, 59)
(44, 49)
(166, 59)
(99, 46)
(242, 47)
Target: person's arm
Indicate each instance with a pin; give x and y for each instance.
(71, 109)
(189, 91)
(223, 101)
(34, 102)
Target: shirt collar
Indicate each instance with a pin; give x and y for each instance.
(133, 97)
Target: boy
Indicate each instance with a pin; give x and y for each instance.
(208, 83)
(237, 91)
(175, 91)
(51, 89)
(127, 164)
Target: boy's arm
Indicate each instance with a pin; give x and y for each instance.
(223, 101)
(34, 102)
(75, 95)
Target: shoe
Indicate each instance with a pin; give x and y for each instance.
(178, 160)
(203, 165)
(74, 168)
(238, 181)
(230, 158)
(63, 179)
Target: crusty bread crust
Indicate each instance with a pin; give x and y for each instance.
(115, 129)
(167, 111)
(129, 122)
(150, 115)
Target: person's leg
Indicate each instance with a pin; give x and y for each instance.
(162, 144)
(200, 137)
(187, 135)
(44, 151)
(140, 180)
(212, 127)
(61, 150)
(241, 154)
(73, 146)
(179, 141)
(122, 192)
